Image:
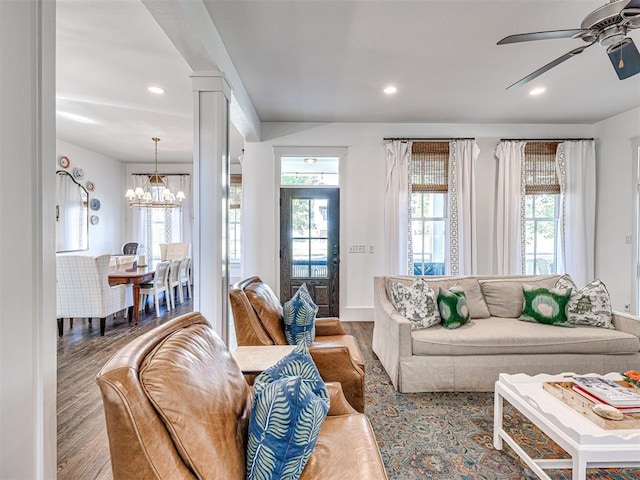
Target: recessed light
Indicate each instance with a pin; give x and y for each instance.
(537, 91)
(156, 90)
(75, 117)
(310, 160)
(390, 90)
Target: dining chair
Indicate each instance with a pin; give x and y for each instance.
(185, 278)
(156, 287)
(83, 290)
(130, 248)
(174, 282)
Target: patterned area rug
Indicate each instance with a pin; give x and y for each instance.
(450, 436)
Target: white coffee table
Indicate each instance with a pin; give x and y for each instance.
(589, 445)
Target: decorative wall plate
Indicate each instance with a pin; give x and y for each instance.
(78, 173)
(94, 219)
(64, 162)
(91, 186)
(95, 204)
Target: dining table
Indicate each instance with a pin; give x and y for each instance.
(135, 275)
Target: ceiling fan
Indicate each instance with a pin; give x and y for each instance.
(608, 26)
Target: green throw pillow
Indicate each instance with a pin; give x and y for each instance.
(453, 307)
(589, 305)
(544, 305)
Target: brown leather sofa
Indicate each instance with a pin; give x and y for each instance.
(177, 407)
(257, 316)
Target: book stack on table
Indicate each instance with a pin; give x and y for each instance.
(603, 390)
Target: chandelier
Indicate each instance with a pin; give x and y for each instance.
(155, 193)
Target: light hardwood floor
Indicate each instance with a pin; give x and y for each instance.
(83, 449)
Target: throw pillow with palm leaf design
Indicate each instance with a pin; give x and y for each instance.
(290, 404)
(299, 315)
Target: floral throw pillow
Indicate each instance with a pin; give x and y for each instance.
(544, 305)
(416, 303)
(453, 307)
(589, 305)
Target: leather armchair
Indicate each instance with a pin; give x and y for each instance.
(177, 407)
(257, 316)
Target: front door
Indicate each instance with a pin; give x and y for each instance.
(310, 245)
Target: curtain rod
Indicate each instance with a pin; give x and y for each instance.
(543, 139)
(427, 139)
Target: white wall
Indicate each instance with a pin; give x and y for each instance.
(614, 213)
(108, 175)
(362, 195)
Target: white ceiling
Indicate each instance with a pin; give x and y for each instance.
(327, 61)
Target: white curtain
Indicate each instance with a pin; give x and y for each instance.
(510, 208)
(576, 167)
(396, 208)
(463, 155)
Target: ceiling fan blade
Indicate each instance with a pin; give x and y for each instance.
(549, 66)
(549, 35)
(625, 58)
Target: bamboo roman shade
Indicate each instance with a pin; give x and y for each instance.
(235, 191)
(429, 168)
(540, 168)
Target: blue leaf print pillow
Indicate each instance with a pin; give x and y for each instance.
(299, 315)
(290, 404)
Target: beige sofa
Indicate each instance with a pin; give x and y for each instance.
(470, 358)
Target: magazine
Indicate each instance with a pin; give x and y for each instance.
(609, 391)
(583, 393)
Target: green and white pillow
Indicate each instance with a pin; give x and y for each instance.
(453, 307)
(416, 303)
(544, 305)
(589, 305)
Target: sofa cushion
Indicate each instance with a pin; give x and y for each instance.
(475, 299)
(545, 305)
(348, 341)
(199, 392)
(504, 296)
(497, 336)
(452, 305)
(268, 308)
(416, 303)
(286, 419)
(299, 319)
(589, 305)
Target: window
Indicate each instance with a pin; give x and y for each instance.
(542, 208)
(309, 171)
(235, 198)
(429, 222)
(158, 230)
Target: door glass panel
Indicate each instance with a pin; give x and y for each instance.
(309, 238)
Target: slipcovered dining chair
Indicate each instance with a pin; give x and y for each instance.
(174, 283)
(83, 290)
(174, 251)
(185, 277)
(156, 287)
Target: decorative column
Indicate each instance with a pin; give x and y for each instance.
(211, 94)
(27, 239)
